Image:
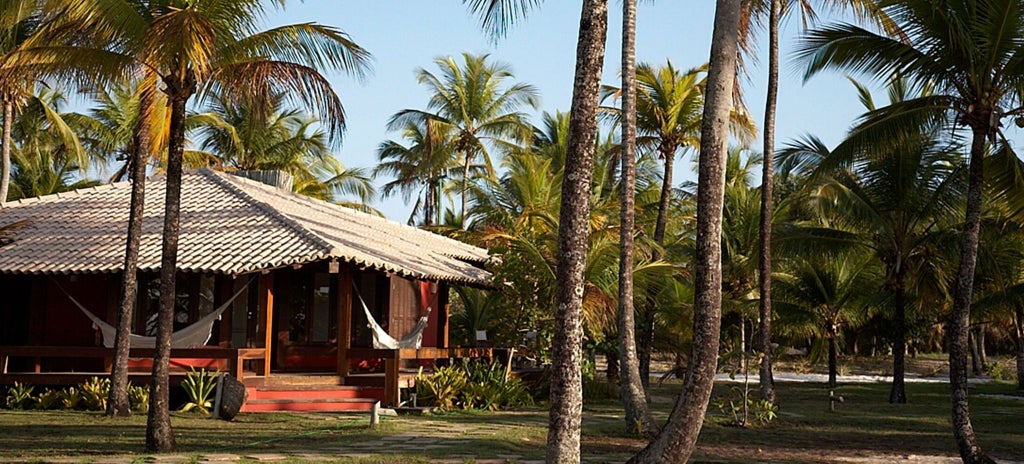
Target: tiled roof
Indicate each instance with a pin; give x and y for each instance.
(229, 225)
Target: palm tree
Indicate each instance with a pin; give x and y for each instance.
(942, 46)
(753, 12)
(821, 295)
(669, 105)
(242, 134)
(195, 48)
(472, 103)
(566, 381)
(895, 195)
(679, 436)
(19, 20)
(419, 168)
(47, 155)
(638, 416)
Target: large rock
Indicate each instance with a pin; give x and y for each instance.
(232, 398)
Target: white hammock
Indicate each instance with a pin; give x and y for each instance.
(384, 341)
(196, 334)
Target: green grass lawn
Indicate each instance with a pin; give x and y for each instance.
(865, 425)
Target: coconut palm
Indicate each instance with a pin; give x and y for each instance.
(242, 134)
(754, 11)
(821, 295)
(47, 155)
(679, 435)
(900, 192)
(419, 168)
(669, 106)
(19, 20)
(942, 46)
(194, 48)
(473, 103)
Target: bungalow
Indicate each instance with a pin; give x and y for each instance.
(272, 286)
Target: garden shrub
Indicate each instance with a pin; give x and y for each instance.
(138, 397)
(19, 396)
(50, 399)
(95, 392)
(199, 386)
(471, 386)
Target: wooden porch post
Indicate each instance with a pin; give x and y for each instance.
(392, 390)
(266, 292)
(344, 303)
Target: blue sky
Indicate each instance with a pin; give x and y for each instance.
(404, 35)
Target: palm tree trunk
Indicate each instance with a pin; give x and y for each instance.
(1018, 330)
(159, 435)
(668, 152)
(960, 318)
(678, 438)
(638, 416)
(563, 445)
(982, 356)
(898, 393)
(117, 402)
(5, 165)
(833, 357)
(465, 189)
(764, 267)
(972, 343)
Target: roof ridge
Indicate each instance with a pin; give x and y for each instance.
(221, 180)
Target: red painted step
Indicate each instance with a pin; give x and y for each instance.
(268, 398)
(337, 404)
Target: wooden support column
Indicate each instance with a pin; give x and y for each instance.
(392, 391)
(344, 302)
(266, 292)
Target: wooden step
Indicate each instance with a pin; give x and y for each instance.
(309, 404)
(272, 392)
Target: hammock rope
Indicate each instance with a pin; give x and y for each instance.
(382, 340)
(194, 335)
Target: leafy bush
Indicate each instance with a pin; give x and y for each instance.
(94, 394)
(443, 387)
(1003, 371)
(199, 386)
(50, 399)
(762, 411)
(138, 397)
(19, 396)
(72, 398)
(471, 386)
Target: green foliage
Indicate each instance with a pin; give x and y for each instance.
(50, 399)
(19, 396)
(95, 392)
(1003, 371)
(732, 404)
(471, 386)
(72, 398)
(138, 397)
(199, 386)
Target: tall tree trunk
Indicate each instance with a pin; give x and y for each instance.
(982, 356)
(563, 444)
(960, 318)
(465, 189)
(668, 152)
(5, 150)
(972, 344)
(833, 357)
(1018, 330)
(767, 381)
(898, 393)
(159, 435)
(117, 402)
(634, 398)
(678, 438)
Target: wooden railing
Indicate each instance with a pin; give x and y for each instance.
(234, 357)
(393, 358)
